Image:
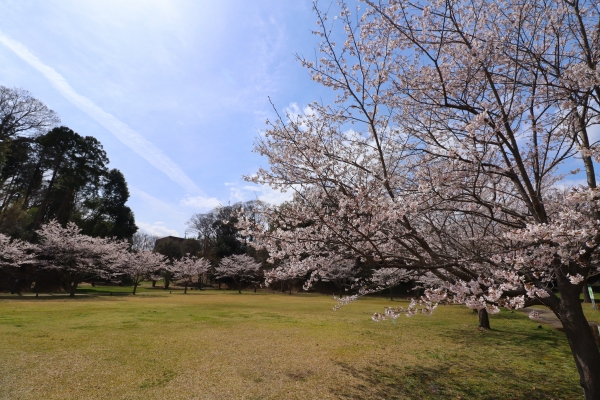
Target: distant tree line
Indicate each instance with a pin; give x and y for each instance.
(50, 173)
(215, 238)
(218, 238)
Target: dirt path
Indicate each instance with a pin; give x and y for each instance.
(546, 317)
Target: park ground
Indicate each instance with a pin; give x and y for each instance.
(222, 345)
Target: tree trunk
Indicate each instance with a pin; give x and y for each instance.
(185, 289)
(43, 206)
(73, 289)
(586, 293)
(581, 340)
(15, 287)
(240, 288)
(167, 280)
(64, 207)
(36, 173)
(484, 319)
(135, 284)
(153, 283)
(391, 295)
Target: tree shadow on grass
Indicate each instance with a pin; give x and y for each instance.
(93, 296)
(510, 329)
(515, 360)
(443, 382)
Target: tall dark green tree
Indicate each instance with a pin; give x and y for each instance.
(108, 216)
(64, 176)
(75, 165)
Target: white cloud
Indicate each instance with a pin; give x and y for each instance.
(251, 192)
(201, 202)
(570, 182)
(123, 132)
(238, 192)
(154, 203)
(156, 229)
(155, 208)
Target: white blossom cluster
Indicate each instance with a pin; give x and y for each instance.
(78, 257)
(442, 152)
(440, 156)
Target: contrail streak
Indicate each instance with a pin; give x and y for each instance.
(124, 133)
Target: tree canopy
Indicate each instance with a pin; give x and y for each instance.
(53, 173)
(441, 155)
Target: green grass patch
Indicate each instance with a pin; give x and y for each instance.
(219, 344)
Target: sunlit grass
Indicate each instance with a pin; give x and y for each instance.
(219, 345)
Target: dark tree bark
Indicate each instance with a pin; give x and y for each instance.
(586, 293)
(569, 311)
(44, 205)
(167, 280)
(73, 288)
(484, 319)
(135, 285)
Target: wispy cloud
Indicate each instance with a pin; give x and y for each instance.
(247, 192)
(201, 202)
(156, 229)
(238, 192)
(159, 207)
(123, 132)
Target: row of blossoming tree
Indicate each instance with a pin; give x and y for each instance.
(78, 257)
(443, 154)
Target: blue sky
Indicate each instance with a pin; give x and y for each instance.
(176, 90)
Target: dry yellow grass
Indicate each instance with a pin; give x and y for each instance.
(221, 345)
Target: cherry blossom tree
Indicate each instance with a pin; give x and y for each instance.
(189, 268)
(15, 253)
(238, 267)
(77, 256)
(291, 271)
(388, 278)
(442, 154)
(142, 265)
(333, 269)
(280, 274)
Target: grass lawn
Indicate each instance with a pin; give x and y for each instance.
(222, 345)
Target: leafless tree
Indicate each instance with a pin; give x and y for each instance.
(21, 114)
